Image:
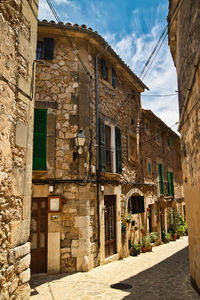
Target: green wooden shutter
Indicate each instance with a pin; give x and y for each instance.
(48, 48)
(170, 142)
(102, 149)
(172, 184)
(149, 168)
(114, 82)
(118, 149)
(169, 183)
(140, 204)
(160, 174)
(39, 139)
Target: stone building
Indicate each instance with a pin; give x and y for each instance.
(18, 34)
(81, 194)
(161, 153)
(184, 41)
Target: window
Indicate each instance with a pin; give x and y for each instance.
(158, 134)
(104, 69)
(45, 49)
(160, 176)
(39, 50)
(147, 126)
(149, 168)
(132, 148)
(110, 154)
(170, 183)
(170, 141)
(39, 139)
(114, 81)
(109, 151)
(136, 204)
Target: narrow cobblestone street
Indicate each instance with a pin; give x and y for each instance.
(160, 274)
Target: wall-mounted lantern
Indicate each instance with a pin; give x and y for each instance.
(79, 141)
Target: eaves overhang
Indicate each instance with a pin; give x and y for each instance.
(94, 34)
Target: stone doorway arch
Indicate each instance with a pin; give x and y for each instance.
(132, 192)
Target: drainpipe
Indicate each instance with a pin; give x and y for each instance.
(97, 139)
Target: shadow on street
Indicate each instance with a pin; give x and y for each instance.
(169, 279)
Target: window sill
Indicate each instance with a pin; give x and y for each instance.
(111, 176)
(36, 174)
(108, 84)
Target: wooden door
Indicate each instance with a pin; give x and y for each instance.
(110, 225)
(38, 235)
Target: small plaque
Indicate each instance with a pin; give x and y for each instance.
(54, 204)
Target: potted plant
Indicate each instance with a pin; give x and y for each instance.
(153, 237)
(128, 218)
(166, 237)
(135, 249)
(145, 243)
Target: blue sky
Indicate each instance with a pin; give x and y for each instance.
(132, 28)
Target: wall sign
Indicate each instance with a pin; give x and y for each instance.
(54, 203)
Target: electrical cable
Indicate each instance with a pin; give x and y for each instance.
(163, 35)
(13, 84)
(75, 51)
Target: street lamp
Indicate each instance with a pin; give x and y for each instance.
(79, 141)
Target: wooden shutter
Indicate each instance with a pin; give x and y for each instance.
(118, 149)
(48, 48)
(160, 174)
(170, 142)
(103, 69)
(39, 140)
(102, 149)
(172, 184)
(169, 183)
(114, 82)
(149, 168)
(140, 204)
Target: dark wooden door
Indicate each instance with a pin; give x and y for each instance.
(110, 225)
(38, 235)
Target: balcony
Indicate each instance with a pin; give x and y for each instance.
(164, 189)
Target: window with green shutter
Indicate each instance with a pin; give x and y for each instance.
(158, 134)
(149, 168)
(170, 142)
(39, 139)
(170, 183)
(102, 148)
(118, 149)
(160, 175)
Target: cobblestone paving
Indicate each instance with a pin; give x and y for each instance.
(157, 275)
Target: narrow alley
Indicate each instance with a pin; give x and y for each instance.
(160, 274)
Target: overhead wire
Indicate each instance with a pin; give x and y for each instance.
(161, 39)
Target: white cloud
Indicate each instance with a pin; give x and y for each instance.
(161, 78)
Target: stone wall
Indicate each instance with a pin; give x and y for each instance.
(184, 40)
(62, 86)
(18, 26)
(159, 151)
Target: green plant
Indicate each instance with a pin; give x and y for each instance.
(166, 237)
(153, 237)
(180, 230)
(135, 228)
(135, 249)
(128, 218)
(146, 240)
